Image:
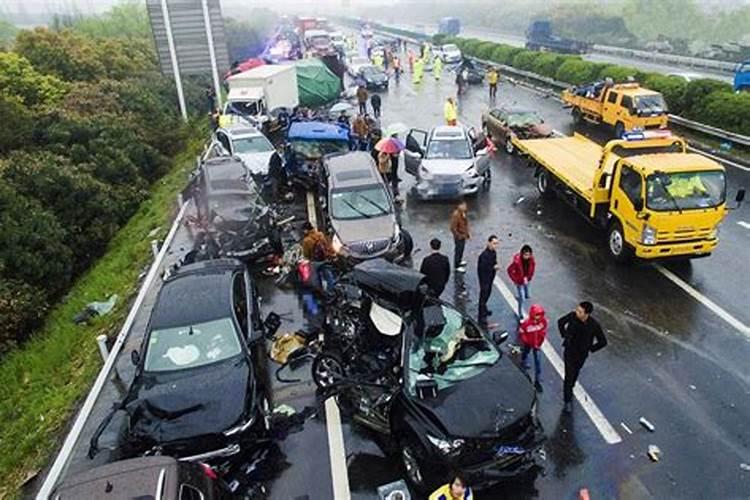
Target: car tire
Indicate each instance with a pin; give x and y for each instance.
(407, 244)
(616, 245)
(326, 369)
(544, 184)
(510, 148)
(619, 130)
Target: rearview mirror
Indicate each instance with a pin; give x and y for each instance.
(499, 337)
(740, 196)
(135, 357)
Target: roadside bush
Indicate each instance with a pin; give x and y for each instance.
(470, 46)
(18, 78)
(504, 54)
(484, 50)
(547, 63)
(525, 60)
(698, 89)
(22, 308)
(617, 73)
(672, 88)
(725, 110)
(17, 124)
(576, 71)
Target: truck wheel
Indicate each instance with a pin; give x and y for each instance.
(543, 184)
(618, 249)
(619, 130)
(577, 116)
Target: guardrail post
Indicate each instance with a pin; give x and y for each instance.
(155, 247)
(101, 341)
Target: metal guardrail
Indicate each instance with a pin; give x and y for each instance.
(715, 132)
(693, 62)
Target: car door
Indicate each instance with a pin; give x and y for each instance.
(627, 199)
(416, 142)
(223, 140)
(611, 109)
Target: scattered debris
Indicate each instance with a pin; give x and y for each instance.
(543, 454)
(94, 309)
(692, 387)
(648, 425)
(285, 344)
(539, 212)
(519, 200)
(654, 453)
(396, 490)
(627, 429)
(744, 466)
(285, 410)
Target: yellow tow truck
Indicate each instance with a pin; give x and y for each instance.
(623, 106)
(653, 198)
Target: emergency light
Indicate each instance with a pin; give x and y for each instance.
(641, 135)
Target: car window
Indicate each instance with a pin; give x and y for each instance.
(457, 149)
(360, 203)
(191, 346)
(239, 299)
(188, 492)
(524, 119)
(449, 348)
(258, 144)
(612, 97)
(627, 102)
(631, 184)
(224, 140)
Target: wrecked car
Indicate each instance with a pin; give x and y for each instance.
(309, 142)
(199, 386)
(416, 370)
(505, 125)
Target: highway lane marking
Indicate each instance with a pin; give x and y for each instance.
(744, 224)
(336, 449)
(607, 430)
(731, 320)
(719, 159)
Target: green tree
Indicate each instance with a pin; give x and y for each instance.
(18, 78)
(17, 124)
(126, 20)
(64, 54)
(7, 33)
(22, 308)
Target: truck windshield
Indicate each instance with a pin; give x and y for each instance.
(685, 190)
(360, 203)
(651, 103)
(316, 149)
(457, 149)
(456, 351)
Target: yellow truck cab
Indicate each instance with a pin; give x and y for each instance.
(623, 106)
(653, 198)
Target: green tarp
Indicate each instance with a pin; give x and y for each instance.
(316, 83)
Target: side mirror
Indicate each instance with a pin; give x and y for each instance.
(135, 357)
(740, 196)
(500, 337)
(638, 205)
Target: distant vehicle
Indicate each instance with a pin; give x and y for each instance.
(359, 209)
(449, 26)
(622, 106)
(198, 390)
(373, 77)
(318, 42)
(506, 125)
(445, 163)
(742, 77)
(246, 142)
(253, 94)
(356, 63)
(474, 72)
(158, 477)
(449, 53)
(539, 37)
(338, 41)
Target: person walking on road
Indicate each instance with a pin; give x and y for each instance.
(457, 489)
(486, 268)
(460, 231)
(362, 96)
(436, 268)
(450, 111)
(418, 72)
(437, 68)
(360, 132)
(375, 103)
(582, 335)
(532, 331)
(492, 78)
(521, 271)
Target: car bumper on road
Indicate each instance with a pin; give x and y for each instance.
(694, 249)
(429, 190)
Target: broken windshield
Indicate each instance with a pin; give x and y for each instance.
(316, 149)
(451, 349)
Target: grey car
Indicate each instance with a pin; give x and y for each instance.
(239, 138)
(359, 209)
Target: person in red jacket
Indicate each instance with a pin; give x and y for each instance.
(521, 272)
(532, 332)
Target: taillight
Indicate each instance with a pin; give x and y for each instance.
(209, 472)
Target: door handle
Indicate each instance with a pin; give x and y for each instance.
(616, 203)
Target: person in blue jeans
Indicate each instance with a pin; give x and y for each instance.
(521, 272)
(532, 332)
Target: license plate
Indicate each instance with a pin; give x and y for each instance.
(509, 450)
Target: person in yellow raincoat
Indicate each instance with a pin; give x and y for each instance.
(437, 67)
(418, 71)
(378, 61)
(450, 112)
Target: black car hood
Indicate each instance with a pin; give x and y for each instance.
(376, 78)
(172, 407)
(484, 405)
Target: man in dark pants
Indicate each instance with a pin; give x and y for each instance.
(460, 230)
(486, 268)
(375, 102)
(581, 334)
(437, 268)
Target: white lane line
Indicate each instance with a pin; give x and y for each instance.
(336, 450)
(744, 224)
(719, 159)
(739, 325)
(608, 432)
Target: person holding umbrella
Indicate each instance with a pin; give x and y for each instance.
(392, 147)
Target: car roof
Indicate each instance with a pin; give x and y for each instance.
(448, 133)
(241, 128)
(318, 130)
(125, 479)
(196, 293)
(353, 169)
(228, 170)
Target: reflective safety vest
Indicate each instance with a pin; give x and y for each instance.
(444, 493)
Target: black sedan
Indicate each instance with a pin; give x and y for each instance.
(415, 369)
(373, 78)
(198, 390)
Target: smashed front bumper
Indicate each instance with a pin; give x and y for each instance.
(447, 188)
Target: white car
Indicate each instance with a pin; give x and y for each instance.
(449, 53)
(356, 64)
(244, 141)
(446, 163)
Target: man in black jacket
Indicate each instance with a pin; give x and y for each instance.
(581, 334)
(486, 269)
(437, 268)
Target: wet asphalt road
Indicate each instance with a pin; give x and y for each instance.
(670, 359)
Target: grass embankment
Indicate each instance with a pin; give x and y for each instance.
(41, 382)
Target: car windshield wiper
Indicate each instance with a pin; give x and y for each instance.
(371, 202)
(360, 212)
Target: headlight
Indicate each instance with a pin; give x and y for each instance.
(648, 235)
(714, 234)
(336, 243)
(424, 173)
(449, 447)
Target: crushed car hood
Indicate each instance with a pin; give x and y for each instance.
(485, 405)
(376, 228)
(256, 163)
(173, 407)
(533, 131)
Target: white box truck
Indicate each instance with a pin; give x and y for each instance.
(253, 94)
